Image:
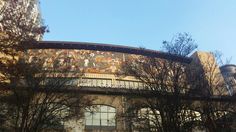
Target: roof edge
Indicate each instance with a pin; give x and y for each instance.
(108, 47)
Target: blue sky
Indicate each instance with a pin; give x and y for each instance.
(143, 23)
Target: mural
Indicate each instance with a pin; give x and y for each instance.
(84, 60)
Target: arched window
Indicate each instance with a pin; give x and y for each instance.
(147, 120)
(100, 117)
(151, 115)
(190, 115)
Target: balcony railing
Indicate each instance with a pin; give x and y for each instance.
(108, 83)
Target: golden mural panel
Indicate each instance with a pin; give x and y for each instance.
(79, 60)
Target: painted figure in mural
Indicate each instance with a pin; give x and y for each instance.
(113, 68)
(86, 62)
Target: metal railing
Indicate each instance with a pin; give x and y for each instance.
(109, 83)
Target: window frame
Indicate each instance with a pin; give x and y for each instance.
(96, 115)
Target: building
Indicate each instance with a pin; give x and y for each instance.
(28, 11)
(100, 63)
(229, 72)
(30, 6)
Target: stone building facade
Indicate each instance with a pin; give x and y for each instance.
(100, 64)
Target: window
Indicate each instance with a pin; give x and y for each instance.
(100, 117)
(147, 120)
(60, 81)
(151, 115)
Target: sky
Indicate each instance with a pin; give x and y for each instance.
(143, 23)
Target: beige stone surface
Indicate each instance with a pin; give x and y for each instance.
(206, 61)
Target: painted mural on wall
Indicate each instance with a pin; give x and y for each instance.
(83, 60)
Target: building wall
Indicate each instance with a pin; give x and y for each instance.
(99, 65)
(205, 62)
(106, 100)
(229, 73)
(29, 8)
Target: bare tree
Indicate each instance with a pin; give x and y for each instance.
(177, 96)
(31, 98)
(166, 80)
(181, 44)
(219, 58)
(38, 100)
(215, 115)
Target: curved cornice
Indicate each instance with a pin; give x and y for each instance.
(108, 47)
